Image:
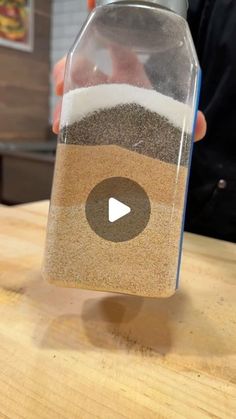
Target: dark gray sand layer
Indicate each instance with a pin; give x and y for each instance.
(133, 127)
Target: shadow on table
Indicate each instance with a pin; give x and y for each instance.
(150, 326)
(126, 322)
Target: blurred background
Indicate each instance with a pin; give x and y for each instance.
(33, 36)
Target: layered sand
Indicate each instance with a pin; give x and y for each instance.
(75, 256)
(79, 103)
(118, 130)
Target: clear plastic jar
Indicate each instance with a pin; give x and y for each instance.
(131, 90)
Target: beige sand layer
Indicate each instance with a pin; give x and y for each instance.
(77, 257)
(80, 168)
(146, 265)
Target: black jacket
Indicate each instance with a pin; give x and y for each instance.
(211, 208)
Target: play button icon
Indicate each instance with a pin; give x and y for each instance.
(117, 209)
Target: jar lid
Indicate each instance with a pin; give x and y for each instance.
(177, 6)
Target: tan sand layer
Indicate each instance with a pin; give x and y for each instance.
(80, 168)
(145, 265)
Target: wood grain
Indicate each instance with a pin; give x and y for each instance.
(24, 84)
(67, 353)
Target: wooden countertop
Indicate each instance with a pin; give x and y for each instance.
(68, 353)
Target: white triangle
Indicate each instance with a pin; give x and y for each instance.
(117, 210)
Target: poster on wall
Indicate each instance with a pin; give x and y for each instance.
(17, 24)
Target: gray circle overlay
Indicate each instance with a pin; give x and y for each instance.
(129, 193)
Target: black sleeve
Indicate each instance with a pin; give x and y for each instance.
(211, 208)
(195, 13)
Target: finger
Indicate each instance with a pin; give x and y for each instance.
(58, 75)
(59, 66)
(86, 73)
(201, 127)
(91, 4)
(56, 117)
(83, 73)
(59, 87)
(126, 67)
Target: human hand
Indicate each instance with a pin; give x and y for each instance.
(119, 73)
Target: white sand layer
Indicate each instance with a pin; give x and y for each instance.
(83, 101)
